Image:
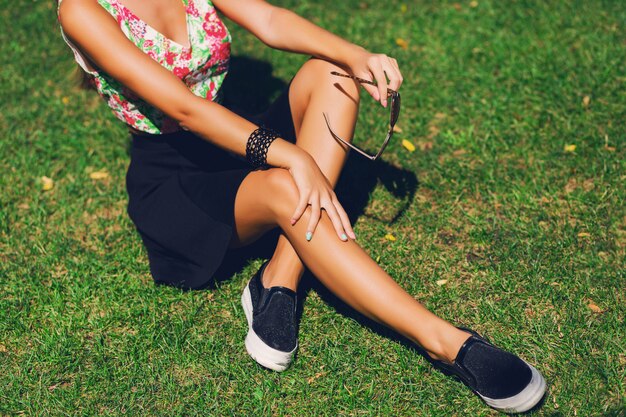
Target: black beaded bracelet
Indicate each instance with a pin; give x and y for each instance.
(257, 146)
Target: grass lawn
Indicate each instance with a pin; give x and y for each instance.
(508, 217)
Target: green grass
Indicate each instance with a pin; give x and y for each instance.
(526, 234)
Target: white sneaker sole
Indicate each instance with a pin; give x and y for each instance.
(525, 400)
(265, 355)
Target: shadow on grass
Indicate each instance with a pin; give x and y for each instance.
(250, 85)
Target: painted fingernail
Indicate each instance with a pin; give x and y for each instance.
(309, 235)
(344, 237)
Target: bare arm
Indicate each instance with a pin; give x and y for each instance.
(282, 29)
(98, 36)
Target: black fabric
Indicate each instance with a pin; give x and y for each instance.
(275, 323)
(487, 369)
(274, 314)
(256, 286)
(181, 194)
(498, 374)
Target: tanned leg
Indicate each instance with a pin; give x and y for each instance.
(266, 199)
(314, 91)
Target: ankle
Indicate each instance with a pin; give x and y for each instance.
(276, 275)
(447, 345)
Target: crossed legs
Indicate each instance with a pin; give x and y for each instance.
(266, 199)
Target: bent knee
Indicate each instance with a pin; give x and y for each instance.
(318, 71)
(284, 194)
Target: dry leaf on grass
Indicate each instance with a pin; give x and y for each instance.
(584, 234)
(569, 148)
(408, 145)
(316, 376)
(571, 185)
(586, 101)
(403, 8)
(473, 4)
(594, 307)
(441, 282)
(63, 384)
(99, 175)
(47, 183)
(402, 43)
(606, 144)
(390, 237)
(397, 129)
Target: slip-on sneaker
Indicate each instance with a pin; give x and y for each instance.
(272, 338)
(504, 381)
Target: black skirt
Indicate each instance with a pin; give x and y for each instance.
(181, 197)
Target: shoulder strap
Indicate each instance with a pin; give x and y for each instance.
(111, 6)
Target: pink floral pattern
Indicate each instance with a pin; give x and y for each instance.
(202, 66)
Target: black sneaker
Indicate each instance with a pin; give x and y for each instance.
(272, 337)
(504, 381)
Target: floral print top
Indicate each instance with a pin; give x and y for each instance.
(202, 66)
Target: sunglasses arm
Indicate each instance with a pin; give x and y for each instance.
(351, 146)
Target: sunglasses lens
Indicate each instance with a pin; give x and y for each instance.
(395, 109)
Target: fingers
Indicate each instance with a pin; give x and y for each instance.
(379, 74)
(345, 220)
(315, 190)
(383, 68)
(302, 204)
(314, 219)
(395, 64)
(336, 214)
(390, 66)
(331, 210)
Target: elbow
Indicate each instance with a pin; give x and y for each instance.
(184, 114)
(270, 35)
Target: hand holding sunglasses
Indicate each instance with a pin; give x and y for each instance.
(394, 110)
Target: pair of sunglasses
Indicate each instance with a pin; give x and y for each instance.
(394, 110)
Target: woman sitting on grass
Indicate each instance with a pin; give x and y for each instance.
(203, 179)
